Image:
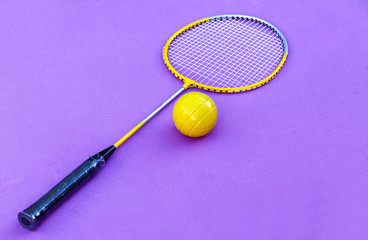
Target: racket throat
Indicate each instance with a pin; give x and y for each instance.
(188, 83)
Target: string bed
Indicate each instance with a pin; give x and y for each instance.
(227, 53)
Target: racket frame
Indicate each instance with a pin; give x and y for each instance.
(191, 83)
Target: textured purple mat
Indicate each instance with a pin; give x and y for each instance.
(286, 161)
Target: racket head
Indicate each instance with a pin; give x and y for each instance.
(226, 53)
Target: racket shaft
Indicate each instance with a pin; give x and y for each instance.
(31, 217)
(144, 121)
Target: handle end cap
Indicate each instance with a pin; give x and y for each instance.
(27, 221)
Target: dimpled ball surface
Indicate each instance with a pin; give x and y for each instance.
(195, 114)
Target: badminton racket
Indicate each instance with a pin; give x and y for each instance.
(224, 54)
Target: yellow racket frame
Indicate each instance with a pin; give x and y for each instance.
(191, 83)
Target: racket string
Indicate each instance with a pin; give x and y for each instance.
(197, 69)
(236, 56)
(242, 65)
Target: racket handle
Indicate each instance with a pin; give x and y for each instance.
(31, 217)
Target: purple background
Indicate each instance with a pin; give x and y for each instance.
(286, 161)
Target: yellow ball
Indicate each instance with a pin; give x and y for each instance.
(195, 114)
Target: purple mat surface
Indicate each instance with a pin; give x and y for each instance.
(286, 161)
